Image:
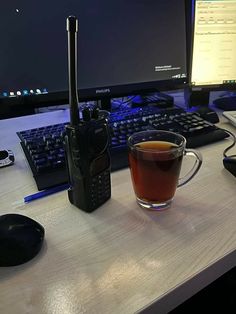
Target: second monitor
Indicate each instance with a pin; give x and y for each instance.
(213, 53)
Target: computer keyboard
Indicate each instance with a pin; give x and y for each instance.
(44, 150)
(230, 116)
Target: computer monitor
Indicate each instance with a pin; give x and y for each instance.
(213, 54)
(125, 47)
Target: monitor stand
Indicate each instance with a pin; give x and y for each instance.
(198, 101)
(158, 99)
(225, 103)
(196, 97)
(105, 103)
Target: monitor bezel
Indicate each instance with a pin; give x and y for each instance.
(99, 93)
(206, 87)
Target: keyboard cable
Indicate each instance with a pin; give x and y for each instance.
(231, 145)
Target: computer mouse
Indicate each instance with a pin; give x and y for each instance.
(21, 239)
(230, 164)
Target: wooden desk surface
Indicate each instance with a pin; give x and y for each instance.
(120, 258)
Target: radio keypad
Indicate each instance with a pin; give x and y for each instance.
(100, 188)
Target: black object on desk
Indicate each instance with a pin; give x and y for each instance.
(230, 164)
(86, 142)
(21, 239)
(225, 103)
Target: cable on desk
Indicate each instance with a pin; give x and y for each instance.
(230, 146)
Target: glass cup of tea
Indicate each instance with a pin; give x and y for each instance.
(155, 159)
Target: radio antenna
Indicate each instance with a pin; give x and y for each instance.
(72, 29)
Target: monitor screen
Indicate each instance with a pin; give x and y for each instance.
(213, 64)
(124, 47)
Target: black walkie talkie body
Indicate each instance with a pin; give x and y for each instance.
(86, 143)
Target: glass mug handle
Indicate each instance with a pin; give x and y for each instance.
(195, 168)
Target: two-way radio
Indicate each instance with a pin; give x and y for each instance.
(86, 142)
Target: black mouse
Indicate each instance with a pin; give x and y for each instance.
(21, 238)
(230, 164)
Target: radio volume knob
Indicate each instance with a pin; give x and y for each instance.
(86, 114)
(95, 113)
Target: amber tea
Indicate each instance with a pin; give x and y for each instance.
(155, 176)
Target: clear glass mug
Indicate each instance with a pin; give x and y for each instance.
(155, 159)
